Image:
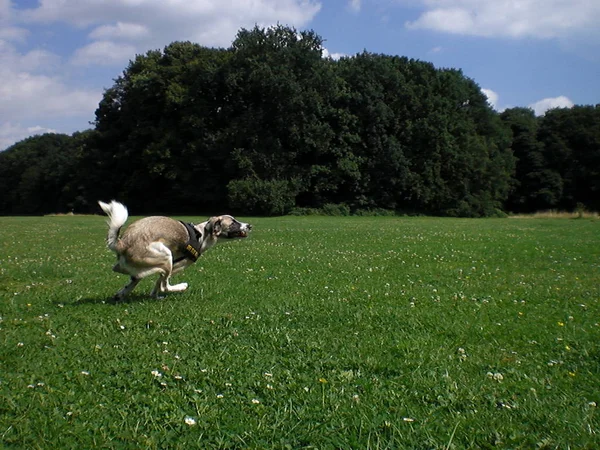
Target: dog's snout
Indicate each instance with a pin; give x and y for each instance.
(249, 226)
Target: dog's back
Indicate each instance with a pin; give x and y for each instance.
(143, 232)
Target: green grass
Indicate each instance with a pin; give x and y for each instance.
(313, 333)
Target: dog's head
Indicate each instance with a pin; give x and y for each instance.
(227, 227)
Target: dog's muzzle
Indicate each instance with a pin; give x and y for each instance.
(240, 232)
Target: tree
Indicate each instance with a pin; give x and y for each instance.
(571, 140)
(158, 126)
(537, 185)
(35, 174)
(278, 90)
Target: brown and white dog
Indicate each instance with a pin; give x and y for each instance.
(161, 245)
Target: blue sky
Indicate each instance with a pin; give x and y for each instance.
(57, 56)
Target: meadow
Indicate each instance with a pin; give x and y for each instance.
(315, 332)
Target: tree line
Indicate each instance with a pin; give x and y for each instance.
(270, 127)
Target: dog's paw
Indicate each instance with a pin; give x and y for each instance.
(178, 287)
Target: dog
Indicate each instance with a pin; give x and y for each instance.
(162, 245)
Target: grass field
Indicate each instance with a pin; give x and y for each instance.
(313, 333)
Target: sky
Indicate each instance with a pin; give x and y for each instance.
(58, 56)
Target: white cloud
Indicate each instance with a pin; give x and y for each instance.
(5, 10)
(29, 96)
(104, 53)
(11, 133)
(354, 5)
(8, 31)
(208, 22)
(336, 56)
(29, 91)
(492, 97)
(34, 60)
(13, 33)
(120, 30)
(510, 18)
(544, 105)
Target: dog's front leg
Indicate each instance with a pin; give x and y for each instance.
(176, 287)
(133, 282)
(159, 287)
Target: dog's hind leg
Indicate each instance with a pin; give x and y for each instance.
(133, 282)
(119, 269)
(168, 268)
(177, 267)
(162, 286)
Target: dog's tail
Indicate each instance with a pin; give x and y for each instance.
(117, 216)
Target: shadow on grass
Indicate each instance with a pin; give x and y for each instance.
(132, 298)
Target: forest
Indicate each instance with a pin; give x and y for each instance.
(270, 127)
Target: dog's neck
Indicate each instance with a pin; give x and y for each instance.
(200, 240)
(208, 240)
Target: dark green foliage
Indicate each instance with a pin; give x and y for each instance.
(558, 158)
(537, 186)
(261, 197)
(268, 126)
(37, 174)
(571, 140)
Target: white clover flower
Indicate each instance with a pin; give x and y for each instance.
(497, 376)
(255, 401)
(156, 373)
(84, 372)
(190, 421)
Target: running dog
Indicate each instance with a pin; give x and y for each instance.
(161, 245)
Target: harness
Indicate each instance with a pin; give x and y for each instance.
(191, 250)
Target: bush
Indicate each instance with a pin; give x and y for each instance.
(332, 209)
(371, 212)
(261, 197)
(304, 212)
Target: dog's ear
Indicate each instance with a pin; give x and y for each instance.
(213, 227)
(216, 231)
